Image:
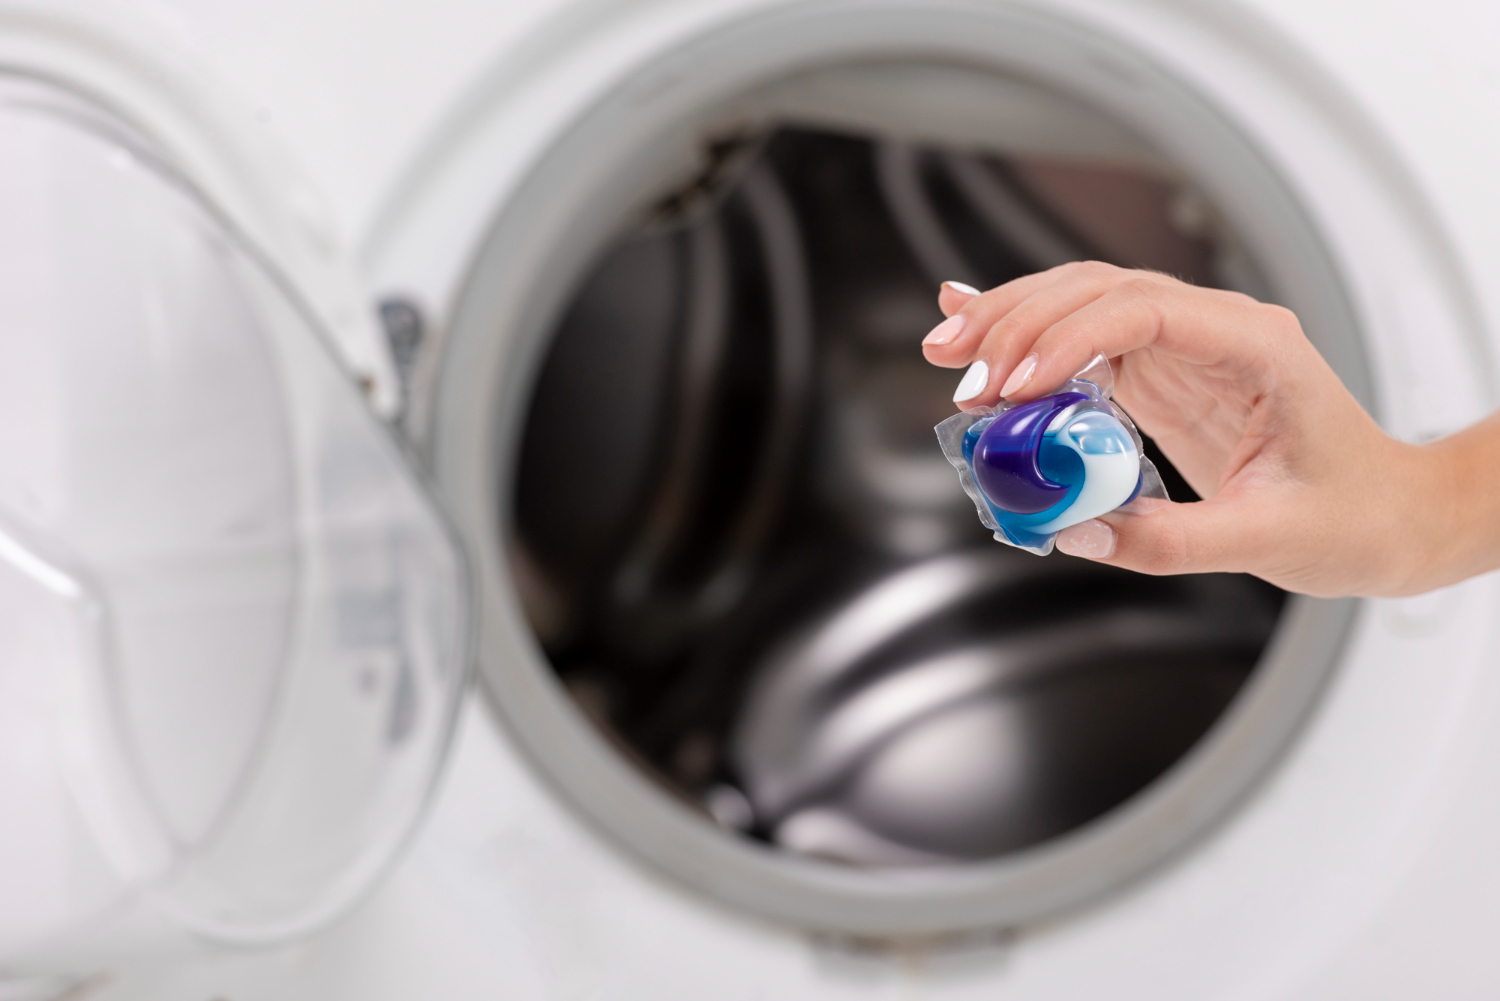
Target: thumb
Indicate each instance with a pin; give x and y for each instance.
(1159, 537)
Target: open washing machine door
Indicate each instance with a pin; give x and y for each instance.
(235, 624)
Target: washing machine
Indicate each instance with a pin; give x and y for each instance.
(489, 540)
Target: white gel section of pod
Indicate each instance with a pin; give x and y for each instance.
(1111, 468)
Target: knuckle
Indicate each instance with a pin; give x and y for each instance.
(1086, 270)
(1281, 319)
(1140, 297)
(1005, 330)
(1138, 287)
(987, 301)
(1241, 298)
(1008, 327)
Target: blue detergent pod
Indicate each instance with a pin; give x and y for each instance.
(1035, 468)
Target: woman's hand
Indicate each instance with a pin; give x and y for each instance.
(1300, 486)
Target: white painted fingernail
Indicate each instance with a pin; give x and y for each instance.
(946, 332)
(962, 288)
(973, 382)
(1093, 540)
(1020, 377)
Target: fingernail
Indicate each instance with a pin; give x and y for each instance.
(945, 332)
(1020, 377)
(1093, 540)
(961, 288)
(973, 382)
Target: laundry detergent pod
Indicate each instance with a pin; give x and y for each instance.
(1032, 469)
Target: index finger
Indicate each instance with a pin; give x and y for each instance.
(1199, 326)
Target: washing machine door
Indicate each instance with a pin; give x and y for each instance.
(234, 624)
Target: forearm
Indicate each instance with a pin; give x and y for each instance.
(1457, 482)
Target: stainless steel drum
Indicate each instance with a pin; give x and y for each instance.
(749, 562)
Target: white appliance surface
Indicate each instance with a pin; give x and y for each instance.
(1363, 869)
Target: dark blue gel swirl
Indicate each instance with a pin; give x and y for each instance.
(1010, 466)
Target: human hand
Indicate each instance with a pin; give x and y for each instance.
(1300, 486)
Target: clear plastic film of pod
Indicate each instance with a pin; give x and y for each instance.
(1036, 468)
(235, 626)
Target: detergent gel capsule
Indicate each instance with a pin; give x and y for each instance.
(1032, 469)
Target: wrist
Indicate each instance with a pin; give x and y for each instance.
(1451, 502)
